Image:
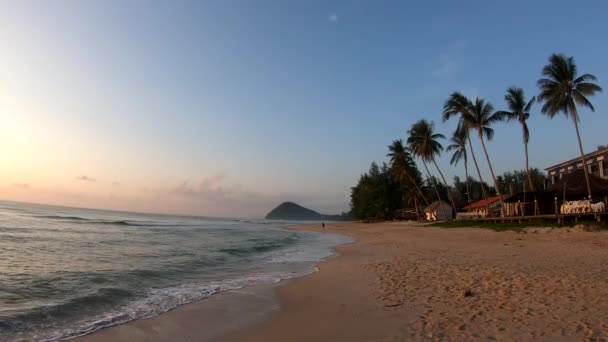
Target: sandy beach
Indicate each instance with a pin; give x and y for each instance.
(402, 282)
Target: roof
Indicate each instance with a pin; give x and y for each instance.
(574, 184)
(600, 150)
(483, 203)
(435, 205)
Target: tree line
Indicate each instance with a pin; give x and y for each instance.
(399, 184)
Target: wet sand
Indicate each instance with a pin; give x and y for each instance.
(401, 282)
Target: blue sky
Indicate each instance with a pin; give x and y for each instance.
(229, 107)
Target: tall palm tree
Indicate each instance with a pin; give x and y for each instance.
(423, 142)
(519, 110)
(403, 164)
(459, 146)
(561, 90)
(457, 105)
(480, 118)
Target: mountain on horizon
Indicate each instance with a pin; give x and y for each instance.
(296, 212)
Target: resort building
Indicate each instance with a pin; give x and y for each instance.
(481, 207)
(597, 165)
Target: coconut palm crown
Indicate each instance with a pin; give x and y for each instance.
(457, 105)
(459, 146)
(561, 90)
(480, 117)
(403, 165)
(519, 110)
(424, 143)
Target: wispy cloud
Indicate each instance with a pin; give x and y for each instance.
(332, 17)
(24, 186)
(450, 61)
(220, 197)
(85, 178)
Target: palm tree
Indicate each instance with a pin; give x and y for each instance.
(423, 142)
(459, 146)
(519, 110)
(562, 90)
(480, 117)
(403, 164)
(458, 104)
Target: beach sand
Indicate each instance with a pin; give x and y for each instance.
(402, 282)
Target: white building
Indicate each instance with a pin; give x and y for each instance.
(597, 164)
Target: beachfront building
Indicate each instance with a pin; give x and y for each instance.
(438, 211)
(480, 208)
(597, 165)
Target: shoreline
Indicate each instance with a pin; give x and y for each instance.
(400, 281)
(409, 282)
(247, 306)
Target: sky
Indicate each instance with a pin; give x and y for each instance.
(227, 108)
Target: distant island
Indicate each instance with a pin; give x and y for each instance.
(296, 212)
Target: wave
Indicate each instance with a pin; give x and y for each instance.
(158, 301)
(259, 245)
(131, 223)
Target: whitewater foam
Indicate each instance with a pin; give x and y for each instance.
(159, 301)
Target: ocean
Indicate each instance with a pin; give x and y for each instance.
(66, 272)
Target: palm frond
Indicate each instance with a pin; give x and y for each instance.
(455, 105)
(585, 78)
(488, 132)
(528, 107)
(582, 100)
(588, 88)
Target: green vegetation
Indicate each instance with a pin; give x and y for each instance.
(382, 191)
(518, 180)
(496, 226)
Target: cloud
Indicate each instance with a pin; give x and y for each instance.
(333, 18)
(207, 187)
(115, 183)
(450, 61)
(24, 186)
(85, 178)
(216, 196)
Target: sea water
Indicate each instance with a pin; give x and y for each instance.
(66, 272)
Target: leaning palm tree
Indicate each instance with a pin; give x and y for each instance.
(423, 142)
(561, 90)
(519, 110)
(480, 118)
(403, 164)
(459, 146)
(457, 105)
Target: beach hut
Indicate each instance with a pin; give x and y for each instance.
(438, 211)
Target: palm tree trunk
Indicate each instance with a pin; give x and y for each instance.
(413, 181)
(434, 186)
(446, 186)
(502, 214)
(532, 187)
(580, 146)
(466, 174)
(483, 191)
